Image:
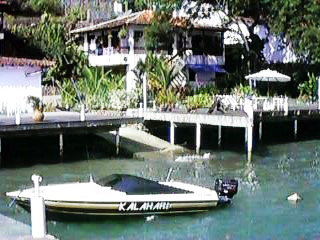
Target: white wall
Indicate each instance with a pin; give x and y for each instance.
(16, 84)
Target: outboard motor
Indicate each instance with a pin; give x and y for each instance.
(226, 188)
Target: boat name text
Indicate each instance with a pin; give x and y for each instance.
(143, 206)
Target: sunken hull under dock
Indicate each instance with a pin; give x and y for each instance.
(121, 194)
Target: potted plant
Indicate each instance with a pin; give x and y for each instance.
(123, 33)
(37, 108)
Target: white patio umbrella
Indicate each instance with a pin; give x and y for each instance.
(267, 75)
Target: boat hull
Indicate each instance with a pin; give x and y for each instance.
(122, 208)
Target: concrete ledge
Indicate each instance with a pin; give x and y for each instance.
(11, 229)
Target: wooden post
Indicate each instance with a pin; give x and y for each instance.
(249, 131)
(260, 130)
(172, 137)
(117, 141)
(295, 128)
(198, 137)
(61, 146)
(219, 136)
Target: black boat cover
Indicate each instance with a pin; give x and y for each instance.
(133, 185)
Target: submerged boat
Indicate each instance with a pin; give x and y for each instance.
(121, 194)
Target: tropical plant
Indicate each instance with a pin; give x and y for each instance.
(243, 90)
(209, 89)
(123, 32)
(202, 100)
(38, 108)
(35, 102)
(94, 87)
(308, 89)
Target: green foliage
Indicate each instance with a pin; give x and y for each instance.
(35, 102)
(98, 89)
(123, 32)
(308, 89)
(69, 64)
(206, 89)
(158, 35)
(48, 35)
(298, 21)
(243, 91)
(34, 7)
(94, 87)
(201, 100)
(51, 6)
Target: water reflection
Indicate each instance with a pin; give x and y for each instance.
(250, 178)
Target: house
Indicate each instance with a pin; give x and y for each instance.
(20, 78)
(203, 58)
(276, 48)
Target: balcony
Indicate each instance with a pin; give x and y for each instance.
(204, 60)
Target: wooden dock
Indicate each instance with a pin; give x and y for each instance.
(63, 122)
(246, 118)
(60, 123)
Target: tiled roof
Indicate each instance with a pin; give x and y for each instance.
(10, 61)
(139, 18)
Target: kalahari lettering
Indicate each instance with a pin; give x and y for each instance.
(143, 206)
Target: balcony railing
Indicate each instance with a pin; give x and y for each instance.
(120, 56)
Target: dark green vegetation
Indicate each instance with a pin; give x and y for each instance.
(296, 21)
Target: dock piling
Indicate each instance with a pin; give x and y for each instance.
(249, 131)
(172, 136)
(38, 215)
(219, 136)
(198, 137)
(61, 146)
(117, 141)
(295, 129)
(260, 130)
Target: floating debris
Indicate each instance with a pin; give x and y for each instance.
(190, 158)
(150, 218)
(294, 197)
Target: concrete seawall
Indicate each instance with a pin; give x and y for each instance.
(142, 144)
(11, 229)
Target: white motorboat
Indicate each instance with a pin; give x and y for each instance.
(121, 194)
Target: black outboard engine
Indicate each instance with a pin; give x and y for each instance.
(226, 188)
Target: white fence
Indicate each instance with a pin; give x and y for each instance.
(258, 103)
(14, 99)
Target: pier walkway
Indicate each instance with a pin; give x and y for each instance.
(11, 229)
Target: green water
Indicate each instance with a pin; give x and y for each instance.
(259, 211)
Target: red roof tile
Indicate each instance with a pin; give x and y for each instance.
(139, 18)
(10, 61)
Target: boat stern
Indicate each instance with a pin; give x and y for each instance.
(226, 189)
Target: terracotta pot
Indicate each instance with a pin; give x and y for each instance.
(37, 116)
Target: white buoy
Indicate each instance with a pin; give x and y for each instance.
(150, 218)
(294, 197)
(38, 216)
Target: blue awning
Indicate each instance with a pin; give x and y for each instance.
(206, 68)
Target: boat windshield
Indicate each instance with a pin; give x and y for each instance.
(137, 185)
